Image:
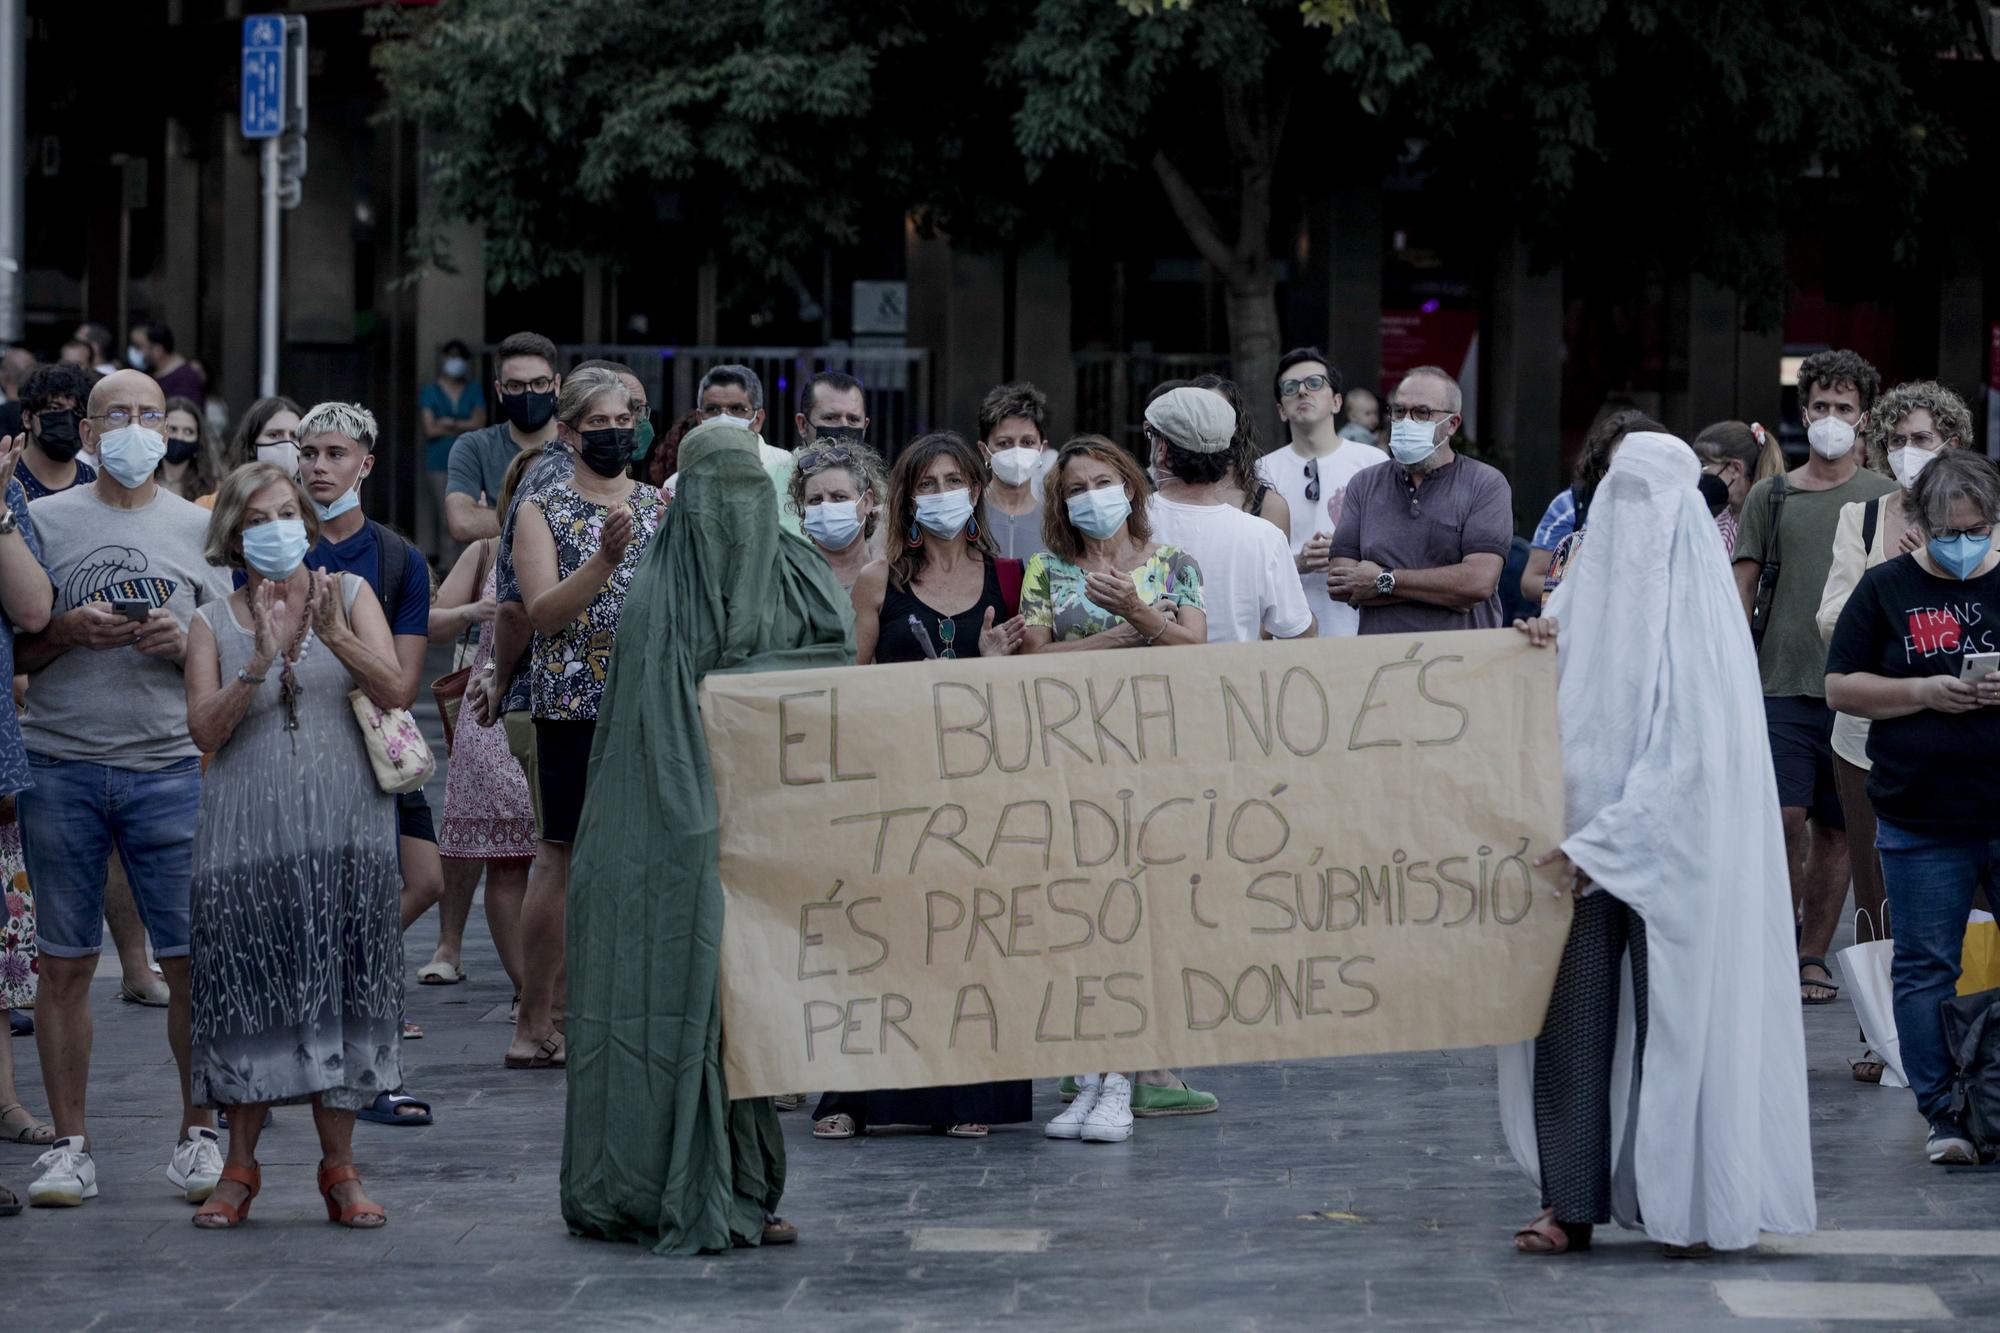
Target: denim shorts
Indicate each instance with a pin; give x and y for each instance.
(75, 816)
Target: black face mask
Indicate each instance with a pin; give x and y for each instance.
(836, 435)
(1715, 492)
(529, 411)
(59, 439)
(182, 451)
(605, 452)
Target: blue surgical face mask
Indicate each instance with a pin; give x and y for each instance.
(276, 548)
(834, 524)
(1099, 513)
(1412, 442)
(1959, 556)
(131, 454)
(345, 501)
(945, 515)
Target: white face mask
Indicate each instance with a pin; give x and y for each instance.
(1015, 465)
(1413, 442)
(944, 516)
(131, 454)
(833, 524)
(727, 420)
(1908, 464)
(281, 454)
(1830, 438)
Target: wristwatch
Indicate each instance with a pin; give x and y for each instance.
(1385, 583)
(9, 521)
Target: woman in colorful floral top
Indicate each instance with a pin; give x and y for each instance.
(577, 544)
(1105, 583)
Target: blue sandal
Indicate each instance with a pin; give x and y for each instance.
(387, 1110)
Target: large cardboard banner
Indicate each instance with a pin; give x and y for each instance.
(954, 871)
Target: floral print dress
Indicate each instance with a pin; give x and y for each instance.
(570, 665)
(1053, 596)
(17, 929)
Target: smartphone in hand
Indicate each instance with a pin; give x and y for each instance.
(1976, 667)
(136, 609)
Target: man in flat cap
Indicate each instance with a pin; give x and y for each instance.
(1421, 542)
(1249, 584)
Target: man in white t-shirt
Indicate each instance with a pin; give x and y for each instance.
(1249, 584)
(1312, 473)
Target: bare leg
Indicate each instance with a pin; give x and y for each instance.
(8, 1096)
(62, 1037)
(180, 1024)
(506, 886)
(1825, 890)
(423, 878)
(1796, 842)
(461, 881)
(246, 1125)
(542, 939)
(336, 1148)
(127, 932)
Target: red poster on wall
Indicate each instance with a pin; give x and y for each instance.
(1427, 338)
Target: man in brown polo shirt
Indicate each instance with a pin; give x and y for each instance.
(1421, 542)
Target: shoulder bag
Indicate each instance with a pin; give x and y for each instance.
(1767, 575)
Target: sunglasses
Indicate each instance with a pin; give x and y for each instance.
(947, 635)
(1312, 483)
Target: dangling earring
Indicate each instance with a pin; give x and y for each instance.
(972, 528)
(916, 535)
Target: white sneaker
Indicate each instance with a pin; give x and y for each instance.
(1069, 1125)
(1110, 1118)
(197, 1165)
(1948, 1146)
(68, 1175)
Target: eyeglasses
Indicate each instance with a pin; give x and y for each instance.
(1952, 534)
(1923, 439)
(947, 634)
(1312, 483)
(118, 418)
(1311, 384)
(541, 385)
(711, 412)
(1398, 412)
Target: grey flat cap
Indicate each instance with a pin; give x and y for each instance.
(1197, 420)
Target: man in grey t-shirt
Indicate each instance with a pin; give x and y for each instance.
(114, 767)
(1421, 542)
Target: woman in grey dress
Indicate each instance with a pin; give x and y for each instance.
(298, 955)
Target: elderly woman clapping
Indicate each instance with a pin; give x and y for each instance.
(1914, 652)
(297, 940)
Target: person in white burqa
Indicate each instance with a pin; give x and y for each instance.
(1668, 1087)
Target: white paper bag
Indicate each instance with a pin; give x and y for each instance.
(1864, 970)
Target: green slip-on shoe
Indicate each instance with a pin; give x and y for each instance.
(1151, 1101)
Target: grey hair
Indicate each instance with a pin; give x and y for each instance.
(1954, 475)
(582, 387)
(1454, 397)
(734, 376)
(352, 420)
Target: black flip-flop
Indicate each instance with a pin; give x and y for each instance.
(385, 1110)
(1806, 961)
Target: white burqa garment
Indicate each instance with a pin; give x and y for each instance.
(1672, 807)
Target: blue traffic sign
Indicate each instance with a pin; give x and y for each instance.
(263, 76)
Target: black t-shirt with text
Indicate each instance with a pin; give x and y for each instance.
(1936, 773)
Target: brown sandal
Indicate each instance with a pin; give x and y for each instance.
(1546, 1236)
(553, 1053)
(34, 1133)
(215, 1215)
(359, 1216)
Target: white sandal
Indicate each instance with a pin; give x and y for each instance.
(839, 1126)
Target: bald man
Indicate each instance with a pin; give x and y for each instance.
(115, 770)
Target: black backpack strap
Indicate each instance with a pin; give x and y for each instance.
(1767, 576)
(1870, 512)
(392, 551)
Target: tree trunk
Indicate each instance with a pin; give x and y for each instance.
(1254, 346)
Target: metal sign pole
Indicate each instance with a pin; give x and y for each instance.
(263, 117)
(267, 324)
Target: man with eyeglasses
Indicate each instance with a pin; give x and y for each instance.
(734, 395)
(527, 383)
(1421, 544)
(1312, 473)
(52, 409)
(114, 768)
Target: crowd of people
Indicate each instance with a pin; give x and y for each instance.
(208, 637)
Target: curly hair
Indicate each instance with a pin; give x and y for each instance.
(1244, 450)
(1598, 446)
(1949, 417)
(1837, 369)
(857, 460)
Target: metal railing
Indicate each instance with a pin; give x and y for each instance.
(895, 381)
(1112, 387)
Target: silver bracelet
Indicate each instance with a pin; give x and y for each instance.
(244, 675)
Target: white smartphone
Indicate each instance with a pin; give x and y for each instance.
(1976, 666)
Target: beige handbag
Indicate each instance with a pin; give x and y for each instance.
(396, 746)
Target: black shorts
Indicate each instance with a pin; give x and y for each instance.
(562, 758)
(413, 817)
(1801, 732)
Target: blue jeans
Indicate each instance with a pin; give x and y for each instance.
(1930, 881)
(75, 815)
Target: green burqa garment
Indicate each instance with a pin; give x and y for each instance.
(654, 1150)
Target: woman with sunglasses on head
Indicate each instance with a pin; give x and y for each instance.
(836, 490)
(939, 595)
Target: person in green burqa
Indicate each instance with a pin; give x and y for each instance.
(653, 1148)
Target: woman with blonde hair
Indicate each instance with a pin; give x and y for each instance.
(296, 931)
(837, 492)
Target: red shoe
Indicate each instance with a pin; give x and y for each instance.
(360, 1216)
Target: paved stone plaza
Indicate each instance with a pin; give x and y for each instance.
(1362, 1192)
